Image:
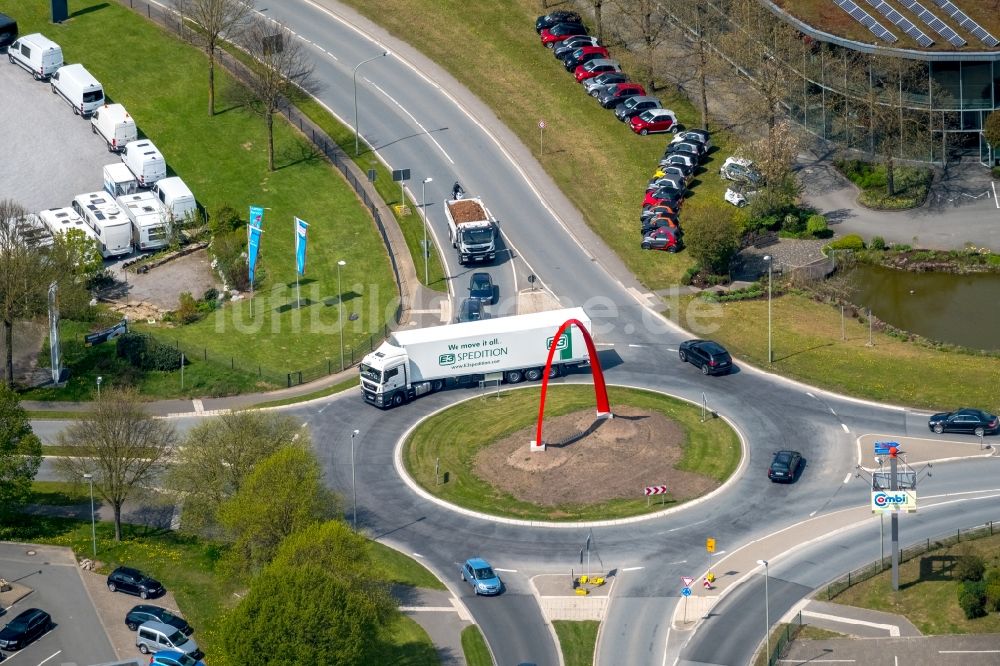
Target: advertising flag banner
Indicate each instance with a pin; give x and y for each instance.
(301, 226)
(253, 238)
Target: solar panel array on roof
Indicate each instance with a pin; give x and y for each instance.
(936, 24)
(898, 19)
(963, 20)
(865, 19)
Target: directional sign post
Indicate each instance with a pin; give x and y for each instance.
(687, 580)
(686, 592)
(655, 490)
(541, 134)
(401, 175)
(710, 545)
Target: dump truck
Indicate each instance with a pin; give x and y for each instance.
(412, 363)
(472, 230)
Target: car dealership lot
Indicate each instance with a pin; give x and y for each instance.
(50, 155)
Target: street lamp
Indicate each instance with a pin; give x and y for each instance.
(340, 307)
(770, 263)
(381, 55)
(423, 207)
(354, 487)
(93, 528)
(767, 616)
(99, 380)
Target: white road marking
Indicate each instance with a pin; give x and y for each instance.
(49, 657)
(831, 411)
(995, 200)
(412, 117)
(633, 568)
(505, 570)
(891, 628)
(416, 554)
(814, 512)
(811, 395)
(689, 525)
(199, 407)
(847, 478)
(636, 346)
(818, 661)
(433, 609)
(604, 344)
(968, 651)
(721, 552)
(666, 641)
(844, 426)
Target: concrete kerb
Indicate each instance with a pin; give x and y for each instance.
(993, 451)
(416, 488)
(548, 622)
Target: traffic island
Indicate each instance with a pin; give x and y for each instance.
(476, 454)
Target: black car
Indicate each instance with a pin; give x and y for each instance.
(552, 18)
(133, 581)
(694, 150)
(565, 30)
(694, 136)
(711, 357)
(481, 287)
(785, 466)
(147, 613)
(684, 162)
(666, 220)
(571, 44)
(656, 211)
(575, 59)
(24, 628)
(633, 106)
(965, 420)
(471, 309)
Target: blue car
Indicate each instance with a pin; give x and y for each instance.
(173, 658)
(477, 572)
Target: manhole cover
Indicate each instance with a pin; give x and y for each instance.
(29, 552)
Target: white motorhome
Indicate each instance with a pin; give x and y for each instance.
(150, 223)
(112, 228)
(118, 180)
(79, 88)
(114, 123)
(176, 198)
(61, 220)
(36, 53)
(412, 363)
(145, 161)
(30, 230)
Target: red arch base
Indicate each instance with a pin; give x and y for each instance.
(600, 389)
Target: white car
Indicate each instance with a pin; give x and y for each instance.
(736, 196)
(741, 170)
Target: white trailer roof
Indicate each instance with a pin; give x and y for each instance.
(553, 318)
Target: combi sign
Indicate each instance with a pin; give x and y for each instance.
(887, 501)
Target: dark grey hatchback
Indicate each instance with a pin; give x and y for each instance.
(711, 357)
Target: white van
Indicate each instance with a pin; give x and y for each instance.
(79, 88)
(37, 54)
(61, 220)
(145, 161)
(113, 123)
(150, 224)
(176, 198)
(112, 228)
(118, 180)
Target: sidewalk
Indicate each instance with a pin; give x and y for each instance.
(857, 622)
(439, 615)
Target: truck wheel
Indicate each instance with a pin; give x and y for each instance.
(93, 129)
(533, 374)
(397, 399)
(555, 371)
(437, 385)
(514, 376)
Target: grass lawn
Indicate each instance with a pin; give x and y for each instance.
(223, 160)
(577, 640)
(599, 164)
(457, 434)
(474, 646)
(807, 345)
(336, 388)
(929, 601)
(59, 493)
(809, 632)
(911, 184)
(396, 567)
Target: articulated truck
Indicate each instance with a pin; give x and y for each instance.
(508, 349)
(472, 230)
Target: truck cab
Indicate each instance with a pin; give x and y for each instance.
(385, 379)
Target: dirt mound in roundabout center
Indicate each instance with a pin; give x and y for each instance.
(589, 461)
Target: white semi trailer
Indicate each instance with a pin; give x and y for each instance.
(509, 349)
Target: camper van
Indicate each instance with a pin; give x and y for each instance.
(30, 230)
(113, 123)
(145, 161)
(118, 180)
(176, 198)
(79, 88)
(112, 228)
(60, 220)
(150, 225)
(37, 54)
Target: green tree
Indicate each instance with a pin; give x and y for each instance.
(219, 454)
(712, 239)
(20, 451)
(81, 252)
(332, 545)
(991, 129)
(283, 494)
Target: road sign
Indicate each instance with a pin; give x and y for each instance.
(686, 591)
(687, 580)
(371, 175)
(541, 124)
(400, 175)
(656, 490)
(882, 448)
(710, 545)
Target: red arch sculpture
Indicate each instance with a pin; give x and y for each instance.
(600, 389)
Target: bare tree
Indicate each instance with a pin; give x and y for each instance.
(773, 156)
(218, 20)
(283, 73)
(122, 446)
(646, 21)
(700, 26)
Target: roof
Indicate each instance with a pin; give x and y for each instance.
(553, 318)
(478, 562)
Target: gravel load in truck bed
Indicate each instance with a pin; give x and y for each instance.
(465, 210)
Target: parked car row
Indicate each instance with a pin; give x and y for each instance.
(665, 193)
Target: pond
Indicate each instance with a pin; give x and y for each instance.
(957, 309)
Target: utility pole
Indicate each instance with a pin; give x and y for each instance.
(894, 517)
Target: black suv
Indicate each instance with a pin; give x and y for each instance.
(147, 613)
(133, 581)
(552, 18)
(785, 466)
(24, 628)
(711, 357)
(965, 420)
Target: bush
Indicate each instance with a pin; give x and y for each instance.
(713, 240)
(187, 310)
(816, 226)
(792, 224)
(145, 353)
(993, 590)
(211, 294)
(848, 242)
(225, 220)
(996, 172)
(972, 599)
(689, 274)
(228, 249)
(876, 243)
(970, 567)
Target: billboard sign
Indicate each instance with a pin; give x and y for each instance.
(889, 501)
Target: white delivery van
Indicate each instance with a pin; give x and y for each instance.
(79, 88)
(176, 198)
(150, 224)
(112, 228)
(118, 180)
(114, 123)
(37, 54)
(145, 161)
(61, 220)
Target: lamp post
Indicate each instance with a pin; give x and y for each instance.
(381, 55)
(770, 263)
(99, 380)
(354, 486)
(93, 528)
(423, 207)
(767, 616)
(340, 316)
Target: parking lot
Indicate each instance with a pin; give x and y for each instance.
(57, 588)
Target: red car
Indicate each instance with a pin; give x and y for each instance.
(663, 196)
(559, 32)
(591, 69)
(653, 120)
(662, 238)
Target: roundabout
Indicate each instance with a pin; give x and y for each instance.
(475, 455)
